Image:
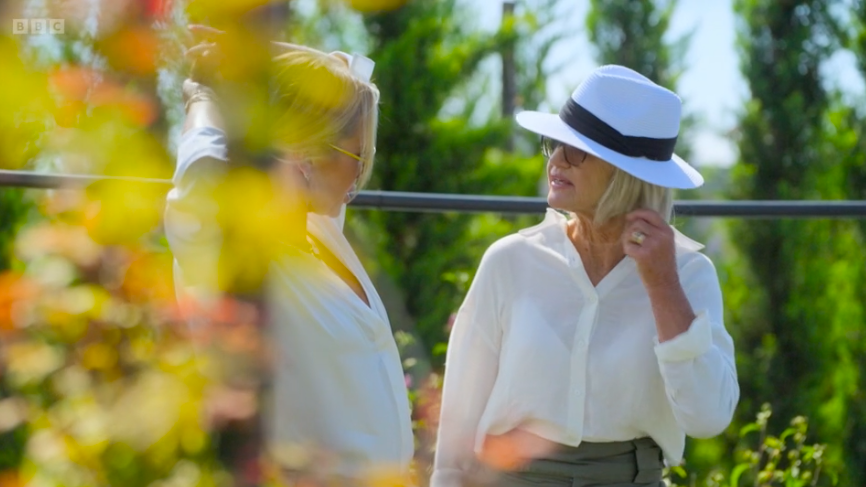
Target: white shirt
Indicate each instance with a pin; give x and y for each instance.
(536, 345)
(338, 380)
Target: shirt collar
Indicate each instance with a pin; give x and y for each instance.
(555, 218)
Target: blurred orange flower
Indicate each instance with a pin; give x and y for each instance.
(77, 87)
(14, 289)
(137, 108)
(148, 280)
(10, 478)
(73, 82)
(132, 49)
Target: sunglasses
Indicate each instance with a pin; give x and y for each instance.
(353, 192)
(549, 146)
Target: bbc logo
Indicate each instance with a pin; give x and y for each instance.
(38, 26)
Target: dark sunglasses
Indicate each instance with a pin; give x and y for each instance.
(549, 146)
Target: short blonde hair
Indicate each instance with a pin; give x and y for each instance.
(626, 193)
(319, 101)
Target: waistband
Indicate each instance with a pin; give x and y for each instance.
(637, 461)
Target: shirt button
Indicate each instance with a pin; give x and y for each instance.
(581, 344)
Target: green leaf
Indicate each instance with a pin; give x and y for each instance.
(736, 473)
(440, 349)
(749, 428)
(785, 434)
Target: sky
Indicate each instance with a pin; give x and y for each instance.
(712, 86)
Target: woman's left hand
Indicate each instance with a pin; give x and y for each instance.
(649, 240)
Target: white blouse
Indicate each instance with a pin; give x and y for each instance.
(536, 345)
(338, 382)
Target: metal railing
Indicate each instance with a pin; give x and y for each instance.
(438, 203)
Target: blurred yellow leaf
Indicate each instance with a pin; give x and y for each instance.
(99, 356)
(47, 446)
(121, 213)
(25, 105)
(193, 439)
(202, 9)
(30, 362)
(13, 411)
(68, 114)
(72, 381)
(256, 223)
(148, 410)
(67, 241)
(385, 476)
(369, 6)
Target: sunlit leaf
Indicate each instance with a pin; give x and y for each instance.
(370, 6)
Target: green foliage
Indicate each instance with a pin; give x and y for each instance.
(13, 208)
(425, 56)
(632, 33)
(784, 460)
(805, 353)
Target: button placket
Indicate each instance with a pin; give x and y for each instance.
(579, 348)
(579, 356)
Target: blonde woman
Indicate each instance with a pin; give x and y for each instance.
(338, 384)
(590, 345)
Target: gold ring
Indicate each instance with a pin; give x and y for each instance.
(638, 237)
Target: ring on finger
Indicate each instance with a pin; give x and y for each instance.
(638, 237)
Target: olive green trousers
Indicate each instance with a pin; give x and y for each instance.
(616, 464)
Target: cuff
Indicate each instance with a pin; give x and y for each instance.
(692, 343)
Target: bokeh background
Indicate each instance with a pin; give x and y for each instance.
(102, 380)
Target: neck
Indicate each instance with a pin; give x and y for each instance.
(600, 246)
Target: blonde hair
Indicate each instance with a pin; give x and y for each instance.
(626, 193)
(319, 101)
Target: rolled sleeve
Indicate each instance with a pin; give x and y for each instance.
(696, 341)
(698, 366)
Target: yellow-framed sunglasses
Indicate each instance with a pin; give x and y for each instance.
(361, 162)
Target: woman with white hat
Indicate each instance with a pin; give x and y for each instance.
(589, 346)
(338, 385)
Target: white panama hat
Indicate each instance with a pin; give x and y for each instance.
(623, 118)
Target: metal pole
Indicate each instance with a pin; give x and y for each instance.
(28, 179)
(440, 203)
